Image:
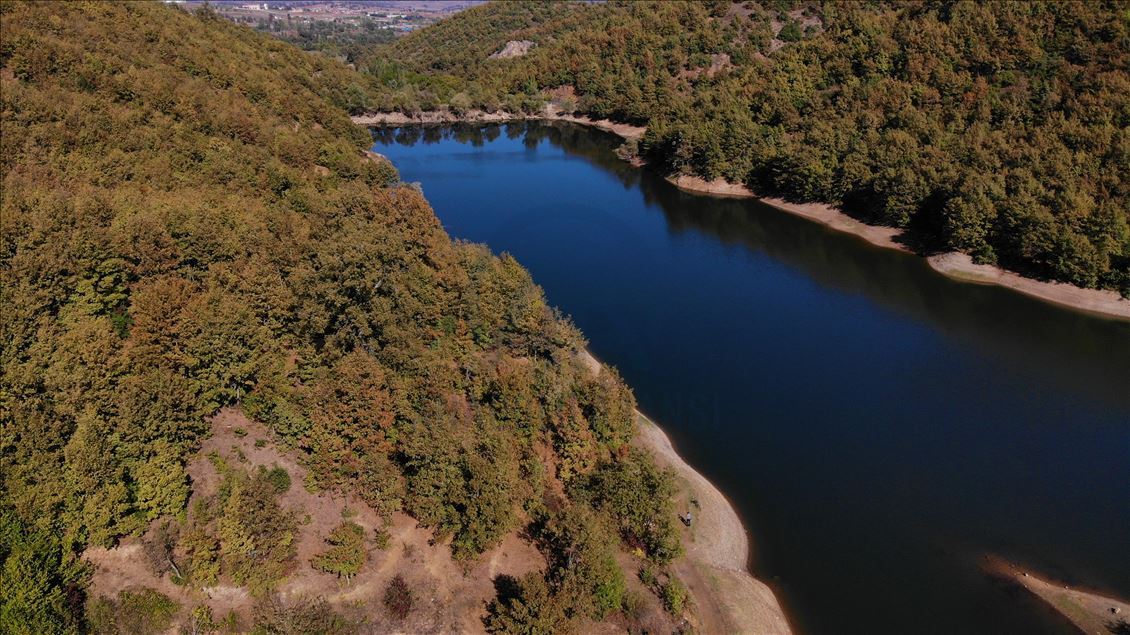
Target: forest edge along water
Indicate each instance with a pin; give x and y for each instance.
(437, 170)
(955, 265)
(716, 564)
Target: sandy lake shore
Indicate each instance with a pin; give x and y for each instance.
(955, 265)
(715, 568)
(1090, 612)
(1094, 301)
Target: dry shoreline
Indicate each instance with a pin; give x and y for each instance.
(715, 567)
(955, 265)
(626, 131)
(1086, 610)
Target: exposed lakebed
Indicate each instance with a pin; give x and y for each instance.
(879, 426)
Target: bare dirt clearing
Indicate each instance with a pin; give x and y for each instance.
(448, 598)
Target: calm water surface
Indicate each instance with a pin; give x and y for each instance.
(878, 426)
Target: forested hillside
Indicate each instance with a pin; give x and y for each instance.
(1001, 129)
(189, 222)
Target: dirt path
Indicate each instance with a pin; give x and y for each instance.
(715, 568)
(1090, 612)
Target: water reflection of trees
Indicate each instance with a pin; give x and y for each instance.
(1021, 330)
(475, 135)
(595, 146)
(1017, 329)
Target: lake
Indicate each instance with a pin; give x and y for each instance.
(879, 427)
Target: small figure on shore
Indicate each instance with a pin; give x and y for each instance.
(686, 519)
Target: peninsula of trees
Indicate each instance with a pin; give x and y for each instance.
(190, 222)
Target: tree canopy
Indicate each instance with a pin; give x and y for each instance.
(190, 221)
(1000, 129)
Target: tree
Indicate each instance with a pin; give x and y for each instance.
(161, 483)
(352, 411)
(582, 565)
(526, 607)
(40, 585)
(99, 504)
(347, 551)
(638, 496)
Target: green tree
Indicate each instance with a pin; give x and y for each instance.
(347, 551)
(161, 483)
(37, 581)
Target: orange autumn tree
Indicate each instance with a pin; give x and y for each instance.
(352, 410)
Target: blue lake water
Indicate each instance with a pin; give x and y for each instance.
(879, 427)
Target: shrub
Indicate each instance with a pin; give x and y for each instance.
(398, 598)
(634, 604)
(381, 538)
(527, 607)
(140, 611)
(278, 477)
(273, 616)
(648, 576)
(674, 596)
(201, 620)
(790, 32)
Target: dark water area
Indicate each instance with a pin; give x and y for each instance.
(879, 427)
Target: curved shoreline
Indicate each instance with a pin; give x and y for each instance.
(716, 564)
(1088, 611)
(717, 557)
(623, 130)
(954, 265)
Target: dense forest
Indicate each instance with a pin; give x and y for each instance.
(1000, 129)
(190, 221)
